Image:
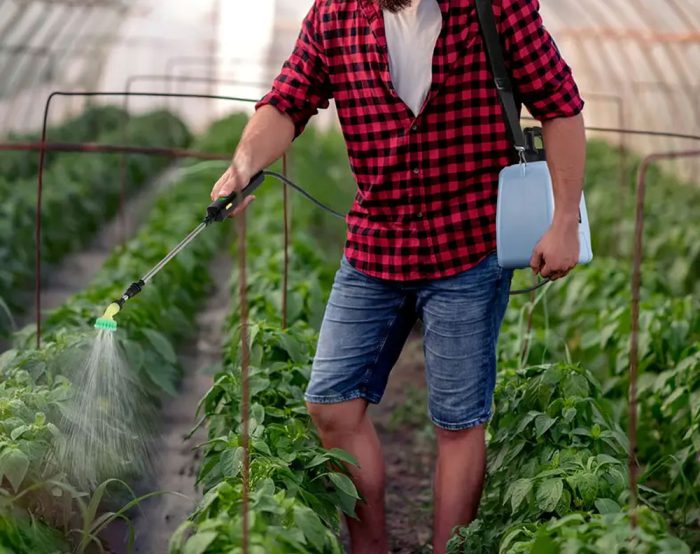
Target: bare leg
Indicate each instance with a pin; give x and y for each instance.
(459, 479)
(346, 425)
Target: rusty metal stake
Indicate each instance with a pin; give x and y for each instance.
(42, 162)
(634, 338)
(285, 217)
(245, 382)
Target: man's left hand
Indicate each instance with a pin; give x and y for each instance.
(558, 250)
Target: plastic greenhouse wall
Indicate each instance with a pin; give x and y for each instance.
(635, 60)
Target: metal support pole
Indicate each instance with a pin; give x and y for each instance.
(285, 275)
(634, 336)
(245, 382)
(42, 163)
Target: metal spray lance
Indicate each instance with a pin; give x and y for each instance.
(218, 210)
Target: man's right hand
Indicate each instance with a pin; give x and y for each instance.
(232, 180)
(265, 138)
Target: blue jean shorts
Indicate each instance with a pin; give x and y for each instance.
(366, 324)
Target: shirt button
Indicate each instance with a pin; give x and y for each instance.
(419, 215)
(416, 171)
(414, 128)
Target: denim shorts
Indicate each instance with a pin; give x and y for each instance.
(367, 321)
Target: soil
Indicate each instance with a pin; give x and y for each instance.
(178, 461)
(406, 435)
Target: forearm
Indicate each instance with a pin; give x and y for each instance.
(565, 142)
(265, 138)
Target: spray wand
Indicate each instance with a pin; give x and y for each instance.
(218, 210)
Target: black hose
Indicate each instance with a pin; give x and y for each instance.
(331, 211)
(305, 194)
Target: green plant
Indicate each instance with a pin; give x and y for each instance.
(588, 320)
(80, 192)
(583, 533)
(33, 386)
(669, 438)
(21, 533)
(87, 126)
(296, 486)
(554, 447)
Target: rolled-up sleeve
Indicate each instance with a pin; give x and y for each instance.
(302, 87)
(542, 79)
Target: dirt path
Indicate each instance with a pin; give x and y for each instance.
(401, 422)
(176, 463)
(407, 439)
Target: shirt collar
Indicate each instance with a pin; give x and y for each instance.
(374, 7)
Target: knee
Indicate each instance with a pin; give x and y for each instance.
(342, 418)
(473, 434)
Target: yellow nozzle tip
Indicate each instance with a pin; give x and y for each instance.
(111, 311)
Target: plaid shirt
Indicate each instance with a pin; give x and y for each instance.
(427, 183)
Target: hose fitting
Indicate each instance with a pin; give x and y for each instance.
(134, 288)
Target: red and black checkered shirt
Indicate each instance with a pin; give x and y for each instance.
(427, 182)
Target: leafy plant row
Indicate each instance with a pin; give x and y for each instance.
(81, 191)
(34, 384)
(87, 126)
(674, 247)
(557, 474)
(296, 486)
(597, 333)
(557, 469)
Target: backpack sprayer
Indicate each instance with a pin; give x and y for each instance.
(525, 204)
(524, 212)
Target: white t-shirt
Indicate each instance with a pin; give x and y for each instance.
(411, 35)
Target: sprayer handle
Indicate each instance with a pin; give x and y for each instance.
(222, 207)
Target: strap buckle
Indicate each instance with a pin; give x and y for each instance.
(502, 83)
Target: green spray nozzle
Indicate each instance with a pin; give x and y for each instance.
(106, 322)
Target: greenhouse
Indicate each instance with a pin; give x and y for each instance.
(368, 276)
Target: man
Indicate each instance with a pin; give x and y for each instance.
(426, 139)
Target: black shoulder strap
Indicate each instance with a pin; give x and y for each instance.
(494, 53)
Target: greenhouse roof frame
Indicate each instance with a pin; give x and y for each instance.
(41, 37)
